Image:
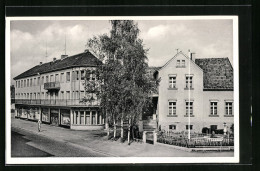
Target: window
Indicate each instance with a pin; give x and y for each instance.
(51, 78)
(16, 84)
(189, 108)
(81, 117)
(183, 63)
(62, 95)
(88, 117)
(76, 95)
(77, 75)
(93, 117)
(172, 127)
(21, 83)
(82, 74)
(213, 108)
(42, 95)
(189, 82)
(42, 82)
(31, 82)
(82, 94)
(172, 108)
(28, 83)
(172, 82)
(68, 76)
(34, 82)
(56, 77)
(189, 127)
(229, 108)
(38, 81)
(178, 63)
(47, 78)
(62, 77)
(68, 94)
(24, 83)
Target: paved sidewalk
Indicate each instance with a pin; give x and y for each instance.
(95, 141)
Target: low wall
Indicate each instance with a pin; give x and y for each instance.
(87, 127)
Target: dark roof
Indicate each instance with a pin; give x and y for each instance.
(217, 73)
(85, 59)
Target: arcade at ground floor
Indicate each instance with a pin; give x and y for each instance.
(78, 118)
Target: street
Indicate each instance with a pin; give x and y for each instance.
(55, 141)
(27, 144)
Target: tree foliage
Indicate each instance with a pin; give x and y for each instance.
(124, 86)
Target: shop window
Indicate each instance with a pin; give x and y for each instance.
(81, 117)
(93, 117)
(65, 117)
(45, 115)
(88, 117)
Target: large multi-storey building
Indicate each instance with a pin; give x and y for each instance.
(194, 93)
(52, 92)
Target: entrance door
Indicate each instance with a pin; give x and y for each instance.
(55, 117)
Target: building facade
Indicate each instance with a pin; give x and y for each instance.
(195, 93)
(53, 93)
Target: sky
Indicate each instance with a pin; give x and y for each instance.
(29, 39)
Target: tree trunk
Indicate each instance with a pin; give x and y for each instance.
(122, 129)
(114, 128)
(128, 136)
(106, 125)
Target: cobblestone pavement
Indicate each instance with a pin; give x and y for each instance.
(96, 143)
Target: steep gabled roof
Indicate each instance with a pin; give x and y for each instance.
(175, 57)
(217, 73)
(85, 59)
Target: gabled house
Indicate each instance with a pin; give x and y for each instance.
(195, 93)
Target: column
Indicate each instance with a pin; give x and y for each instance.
(90, 117)
(144, 137)
(100, 119)
(78, 120)
(74, 117)
(49, 115)
(84, 117)
(154, 138)
(96, 117)
(71, 117)
(59, 118)
(15, 112)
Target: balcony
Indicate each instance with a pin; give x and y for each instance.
(52, 86)
(57, 102)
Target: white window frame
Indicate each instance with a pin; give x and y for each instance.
(228, 114)
(189, 84)
(213, 107)
(172, 82)
(172, 108)
(188, 112)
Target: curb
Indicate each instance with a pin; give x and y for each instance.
(69, 143)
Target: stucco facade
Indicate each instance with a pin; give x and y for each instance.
(177, 118)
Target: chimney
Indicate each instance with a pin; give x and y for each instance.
(86, 50)
(54, 59)
(40, 63)
(63, 56)
(191, 55)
